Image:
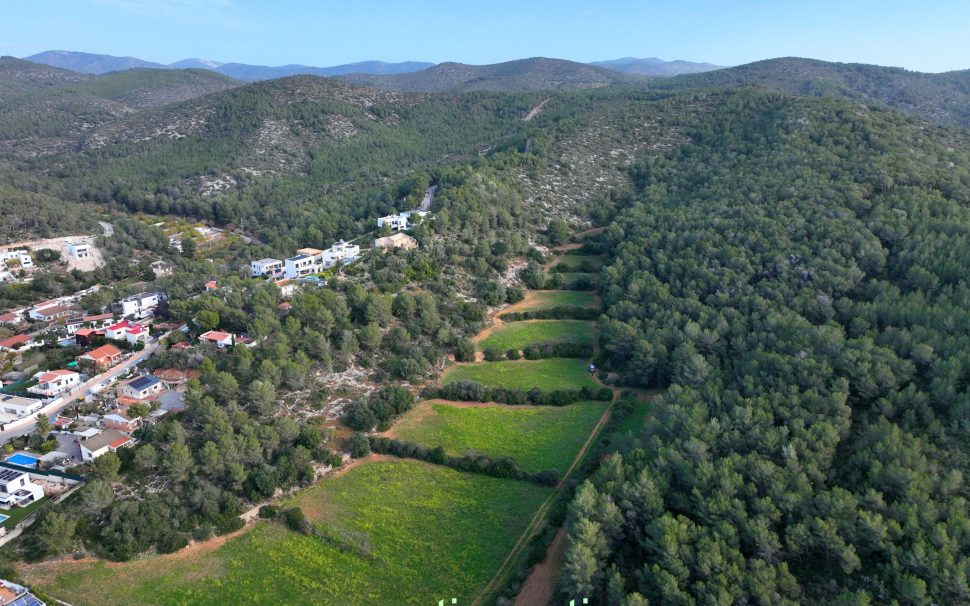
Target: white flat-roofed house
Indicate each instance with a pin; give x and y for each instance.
(302, 265)
(54, 382)
(400, 221)
(141, 305)
(79, 250)
(340, 253)
(19, 407)
(266, 267)
(16, 489)
(14, 259)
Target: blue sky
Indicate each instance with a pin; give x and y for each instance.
(927, 36)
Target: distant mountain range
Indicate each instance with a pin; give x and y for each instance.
(89, 63)
(538, 73)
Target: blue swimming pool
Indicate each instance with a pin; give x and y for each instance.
(22, 459)
(3, 518)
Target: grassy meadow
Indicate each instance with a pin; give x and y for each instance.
(547, 374)
(537, 437)
(547, 299)
(519, 335)
(416, 533)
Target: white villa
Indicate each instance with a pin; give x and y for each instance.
(340, 253)
(141, 305)
(16, 489)
(401, 221)
(21, 258)
(79, 250)
(312, 260)
(266, 267)
(302, 265)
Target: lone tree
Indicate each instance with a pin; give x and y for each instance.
(43, 425)
(557, 232)
(56, 532)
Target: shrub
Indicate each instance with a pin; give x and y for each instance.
(465, 351)
(296, 520)
(493, 354)
(229, 524)
(170, 542)
(513, 354)
(359, 445)
(268, 512)
(203, 532)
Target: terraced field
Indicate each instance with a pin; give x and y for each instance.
(580, 263)
(537, 437)
(519, 335)
(536, 300)
(547, 375)
(414, 534)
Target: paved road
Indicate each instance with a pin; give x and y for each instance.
(25, 426)
(428, 199)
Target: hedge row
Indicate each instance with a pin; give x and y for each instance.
(563, 312)
(505, 467)
(471, 391)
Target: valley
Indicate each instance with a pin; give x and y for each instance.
(517, 333)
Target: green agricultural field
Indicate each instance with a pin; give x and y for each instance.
(547, 375)
(519, 335)
(581, 263)
(537, 437)
(421, 533)
(548, 299)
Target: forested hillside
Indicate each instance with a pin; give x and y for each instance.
(794, 275)
(942, 98)
(538, 73)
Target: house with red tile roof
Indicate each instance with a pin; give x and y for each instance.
(127, 331)
(18, 342)
(103, 357)
(218, 338)
(54, 382)
(49, 314)
(85, 336)
(12, 317)
(109, 440)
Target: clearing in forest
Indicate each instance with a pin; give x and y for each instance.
(537, 437)
(579, 263)
(409, 533)
(519, 335)
(548, 374)
(537, 300)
